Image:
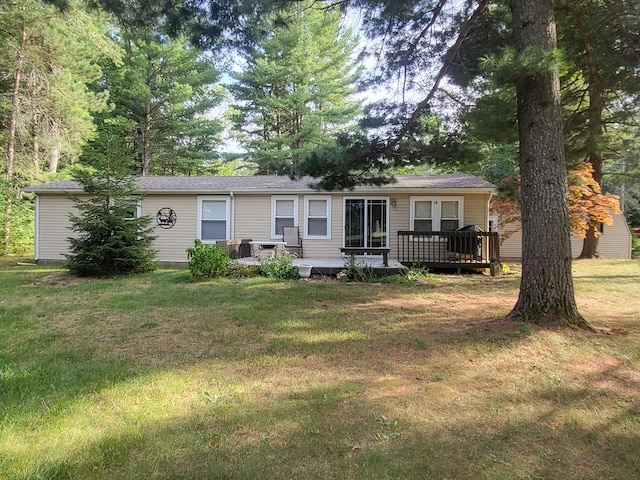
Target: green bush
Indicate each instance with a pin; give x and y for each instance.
(354, 271)
(209, 261)
(242, 270)
(635, 252)
(279, 266)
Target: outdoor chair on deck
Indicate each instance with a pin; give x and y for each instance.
(291, 235)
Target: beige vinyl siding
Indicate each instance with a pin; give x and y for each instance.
(476, 211)
(614, 242)
(252, 218)
(616, 239)
(324, 248)
(54, 227)
(511, 247)
(399, 220)
(172, 243)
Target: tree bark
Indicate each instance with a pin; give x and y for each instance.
(596, 129)
(146, 140)
(11, 134)
(546, 291)
(56, 147)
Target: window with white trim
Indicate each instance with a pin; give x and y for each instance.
(317, 216)
(436, 214)
(213, 218)
(284, 213)
(135, 210)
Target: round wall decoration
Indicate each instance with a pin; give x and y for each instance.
(166, 218)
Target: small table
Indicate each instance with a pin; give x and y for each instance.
(262, 248)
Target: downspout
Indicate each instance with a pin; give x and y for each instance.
(232, 214)
(488, 211)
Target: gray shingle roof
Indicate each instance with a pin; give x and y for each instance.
(273, 184)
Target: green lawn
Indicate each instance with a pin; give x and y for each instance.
(155, 376)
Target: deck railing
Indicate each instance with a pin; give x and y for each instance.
(456, 249)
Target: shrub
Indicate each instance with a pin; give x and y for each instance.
(242, 270)
(280, 266)
(209, 261)
(356, 272)
(409, 277)
(419, 274)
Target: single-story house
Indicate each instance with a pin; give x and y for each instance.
(257, 208)
(615, 240)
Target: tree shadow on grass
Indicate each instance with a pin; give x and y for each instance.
(46, 385)
(366, 382)
(335, 429)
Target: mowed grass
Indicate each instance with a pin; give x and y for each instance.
(156, 376)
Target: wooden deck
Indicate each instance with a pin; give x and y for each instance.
(449, 250)
(458, 250)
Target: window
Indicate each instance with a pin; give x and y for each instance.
(436, 214)
(133, 206)
(284, 213)
(317, 217)
(422, 215)
(213, 219)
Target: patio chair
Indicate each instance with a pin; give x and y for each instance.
(291, 235)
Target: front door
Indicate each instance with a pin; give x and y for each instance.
(366, 222)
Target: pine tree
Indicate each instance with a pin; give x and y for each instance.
(166, 88)
(295, 90)
(48, 57)
(112, 239)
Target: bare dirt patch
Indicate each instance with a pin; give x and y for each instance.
(61, 279)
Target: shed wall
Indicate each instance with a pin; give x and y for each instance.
(614, 242)
(53, 226)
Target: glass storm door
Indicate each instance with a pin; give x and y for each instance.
(365, 222)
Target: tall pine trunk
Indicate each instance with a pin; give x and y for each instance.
(546, 291)
(56, 146)
(596, 129)
(146, 140)
(596, 123)
(13, 118)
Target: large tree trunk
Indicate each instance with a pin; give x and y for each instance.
(546, 291)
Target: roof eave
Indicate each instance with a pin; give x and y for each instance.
(285, 191)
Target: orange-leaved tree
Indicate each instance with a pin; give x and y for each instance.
(588, 206)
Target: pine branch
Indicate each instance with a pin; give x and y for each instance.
(448, 61)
